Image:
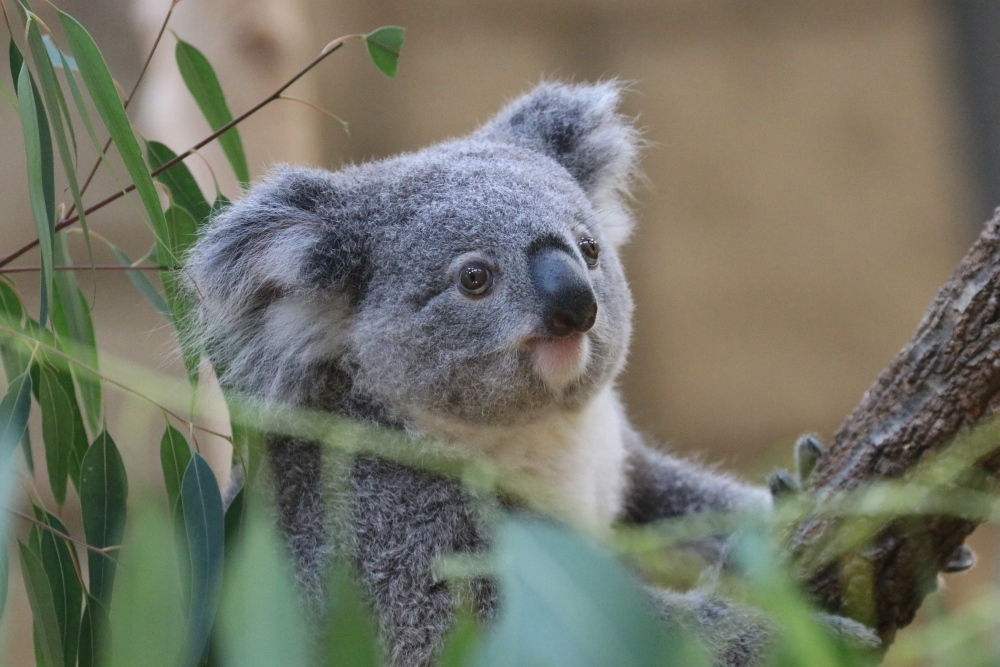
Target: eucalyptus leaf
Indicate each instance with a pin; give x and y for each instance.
(62, 428)
(103, 495)
(183, 188)
(93, 632)
(104, 94)
(567, 603)
(260, 623)
(204, 531)
(175, 454)
(204, 86)
(41, 188)
(56, 55)
(13, 352)
(58, 559)
(350, 638)
(15, 60)
(142, 283)
(236, 515)
(73, 326)
(4, 572)
(181, 235)
(60, 119)
(462, 641)
(147, 616)
(384, 45)
(46, 622)
(14, 410)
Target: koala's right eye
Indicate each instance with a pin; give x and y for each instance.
(475, 278)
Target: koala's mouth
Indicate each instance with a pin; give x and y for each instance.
(559, 361)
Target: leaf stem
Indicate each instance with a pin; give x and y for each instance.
(88, 267)
(58, 533)
(67, 221)
(50, 349)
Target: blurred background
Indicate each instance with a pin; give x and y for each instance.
(814, 171)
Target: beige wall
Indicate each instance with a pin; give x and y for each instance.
(803, 196)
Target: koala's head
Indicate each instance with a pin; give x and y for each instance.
(476, 280)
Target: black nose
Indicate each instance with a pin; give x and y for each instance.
(567, 302)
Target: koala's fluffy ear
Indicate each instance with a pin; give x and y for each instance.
(578, 126)
(274, 242)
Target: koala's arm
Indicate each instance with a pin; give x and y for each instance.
(660, 486)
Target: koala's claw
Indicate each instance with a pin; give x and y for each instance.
(782, 483)
(961, 559)
(808, 451)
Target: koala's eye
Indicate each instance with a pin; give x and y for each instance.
(475, 278)
(590, 250)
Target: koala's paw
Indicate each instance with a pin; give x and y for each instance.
(961, 559)
(808, 452)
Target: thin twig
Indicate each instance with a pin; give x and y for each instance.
(87, 369)
(128, 100)
(87, 267)
(64, 223)
(58, 533)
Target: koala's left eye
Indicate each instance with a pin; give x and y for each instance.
(590, 250)
(475, 278)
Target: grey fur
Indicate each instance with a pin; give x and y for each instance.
(336, 291)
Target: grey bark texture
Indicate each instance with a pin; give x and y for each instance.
(943, 382)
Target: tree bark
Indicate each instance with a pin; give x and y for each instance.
(943, 382)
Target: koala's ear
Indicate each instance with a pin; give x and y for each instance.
(580, 127)
(277, 241)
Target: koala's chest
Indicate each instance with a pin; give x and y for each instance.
(574, 462)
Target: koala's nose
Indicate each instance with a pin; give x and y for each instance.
(567, 302)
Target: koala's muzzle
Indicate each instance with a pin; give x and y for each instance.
(567, 302)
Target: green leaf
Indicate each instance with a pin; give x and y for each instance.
(565, 602)
(103, 92)
(204, 86)
(103, 494)
(350, 637)
(58, 58)
(147, 617)
(41, 189)
(55, 101)
(14, 410)
(72, 324)
(383, 47)
(93, 633)
(81, 106)
(183, 188)
(260, 623)
(235, 519)
(175, 454)
(62, 428)
(183, 232)
(4, 573)
(67, 592)
(14, 353)
(201, 504)
(462, 641)
(15, 60)
(142, 283)
(42, 607)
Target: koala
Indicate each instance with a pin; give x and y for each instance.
(471, 293)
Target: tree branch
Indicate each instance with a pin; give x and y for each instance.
(943, 382)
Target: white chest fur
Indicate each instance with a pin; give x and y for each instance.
(574, 460)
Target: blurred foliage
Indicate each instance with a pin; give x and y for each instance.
(176, 579)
